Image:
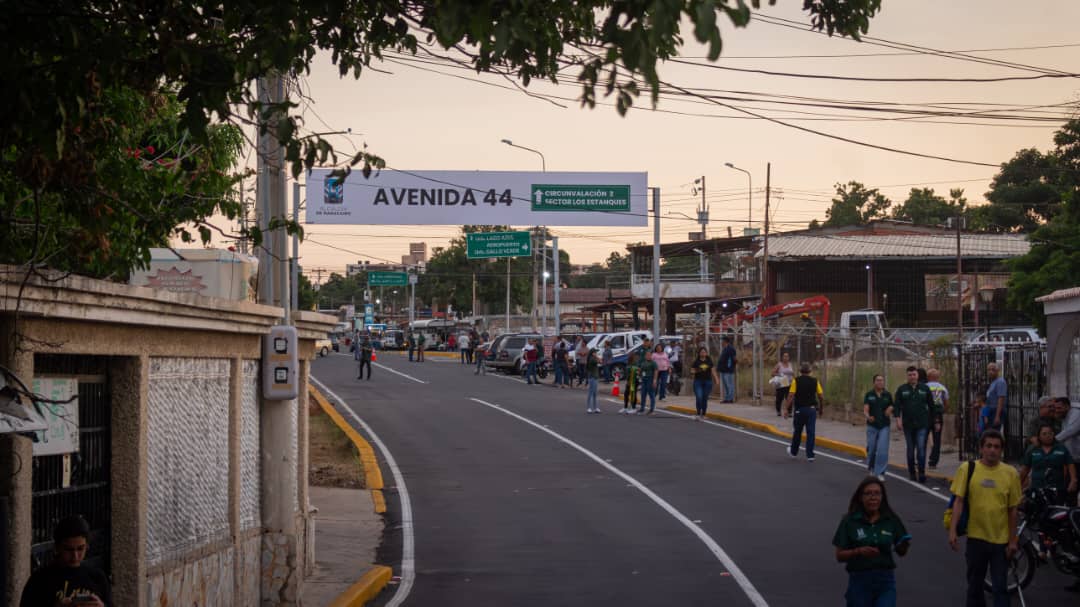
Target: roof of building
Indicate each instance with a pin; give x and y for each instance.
(915, 246)
(1060, 294)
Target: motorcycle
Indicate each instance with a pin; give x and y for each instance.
(1049, 533)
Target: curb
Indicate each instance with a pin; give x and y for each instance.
(375, 579)
(827, 443)
(366, 588)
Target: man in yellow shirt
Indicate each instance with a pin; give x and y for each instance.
(992, 497)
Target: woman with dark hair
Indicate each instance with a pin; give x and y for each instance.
(704, 372)
(866, 538)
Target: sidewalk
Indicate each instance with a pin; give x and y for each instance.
(852, 437)
(347, 533)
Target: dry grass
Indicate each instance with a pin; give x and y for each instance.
(334, 461)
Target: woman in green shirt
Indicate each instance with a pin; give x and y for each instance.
(877, 408)
(865, 540)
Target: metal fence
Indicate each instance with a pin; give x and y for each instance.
(1023, 366)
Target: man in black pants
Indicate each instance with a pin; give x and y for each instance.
(805, 395)
(364, 351)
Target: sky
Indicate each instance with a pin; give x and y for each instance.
(424, 116)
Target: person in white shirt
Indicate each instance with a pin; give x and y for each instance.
(463, 345)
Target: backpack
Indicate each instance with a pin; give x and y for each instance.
(961, 526)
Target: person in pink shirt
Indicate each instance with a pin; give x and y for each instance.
(663, 366)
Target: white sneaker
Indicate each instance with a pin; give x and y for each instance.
(881, 477)
(788, 451)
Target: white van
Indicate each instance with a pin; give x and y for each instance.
(621, 342)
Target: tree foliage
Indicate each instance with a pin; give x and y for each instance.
(64, 61)
(855, 205)
(614, 272)
(924, 207)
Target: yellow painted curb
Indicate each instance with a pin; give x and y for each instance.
(379, 500)
(372, 474)
(827, 443)
(365, 589)
(426, 353)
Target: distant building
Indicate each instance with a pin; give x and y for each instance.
(417, 254)
(366, 266)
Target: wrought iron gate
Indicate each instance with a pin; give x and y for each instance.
(84, 490)
(1023, 365)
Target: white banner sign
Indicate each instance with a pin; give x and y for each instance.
(513, 198)
(62, 435)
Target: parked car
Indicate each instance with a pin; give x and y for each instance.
(508, 351)
(1008, 335)
(621, 342)
(323, 346)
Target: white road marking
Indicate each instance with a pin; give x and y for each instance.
(408, 549)
(740, 578)
(919, 486)
(396, 372)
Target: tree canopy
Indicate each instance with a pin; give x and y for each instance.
(856, 205)
(66, 61)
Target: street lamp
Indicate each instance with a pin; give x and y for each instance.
(987, 295)
(543, 305)
(543, 163)
(749, 194)
(869, 289)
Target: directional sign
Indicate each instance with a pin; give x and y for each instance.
(581, 198)
(387, 279)
(369, 314)
(485, 245)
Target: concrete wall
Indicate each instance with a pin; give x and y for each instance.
(187, 485)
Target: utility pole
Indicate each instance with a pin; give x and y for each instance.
(656, 262)
(558, 287)
(960, 286)
(703, 212)
(474, 295)
(278, 418)
(765, 251)
(508, 294)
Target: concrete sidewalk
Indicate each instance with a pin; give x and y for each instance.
(347, 534)
(853, 436)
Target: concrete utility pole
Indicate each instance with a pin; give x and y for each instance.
(656, 263)
(960, 288)
(703, 212)
(278, 419)
(294, 260)
(558, 287)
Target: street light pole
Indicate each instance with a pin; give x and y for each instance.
(543, 163)
(543, 167)
(749, 194)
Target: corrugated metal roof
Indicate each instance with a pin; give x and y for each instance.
(993, 246)
(1060, 294)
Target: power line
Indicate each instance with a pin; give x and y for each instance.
(865, 78)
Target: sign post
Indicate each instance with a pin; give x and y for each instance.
(488, 245)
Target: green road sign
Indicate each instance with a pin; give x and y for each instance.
(483, 245)
(387, 279)
(580, 198)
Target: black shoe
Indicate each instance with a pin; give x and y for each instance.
(1074, 588)
(912, 476)
(922, 479)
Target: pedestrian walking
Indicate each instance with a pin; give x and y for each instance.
(605, 360)
(913, 406)
(805, 398)
(451, 343)
(647, 369)
(675, 357)
(726, 367)
(990, 491)
(704, 372)
(68, 580)
(592, 371)
(663, 369)
(865, 541)
(410, 343)
(1048, 464)
(581, 356)
(878, 409)
(940, 396)
(530, 356)
(783, 374)
(997, 396)
(480, 354)
(420, 341)
(630, 391)
(558, 361)
(466, 352)
(363, 353)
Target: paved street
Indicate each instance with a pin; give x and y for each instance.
(517, 497)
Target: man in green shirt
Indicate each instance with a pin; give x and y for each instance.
(648, 372)
(913, 405)
(1048, 464)
(877, 409)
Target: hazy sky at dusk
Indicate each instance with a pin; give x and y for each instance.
(420, 120)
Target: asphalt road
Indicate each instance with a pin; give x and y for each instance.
(517, 497)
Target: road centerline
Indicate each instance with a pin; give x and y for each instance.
(736, 573)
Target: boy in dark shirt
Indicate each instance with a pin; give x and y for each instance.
(66, 581)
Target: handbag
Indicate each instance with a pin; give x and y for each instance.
(961, 526)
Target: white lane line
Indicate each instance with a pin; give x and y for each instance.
(898, 477)
(736, 573)
(396, 372)
(408, 549)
